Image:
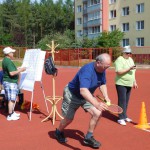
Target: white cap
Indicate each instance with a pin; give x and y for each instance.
(8, 50)
(127, 49)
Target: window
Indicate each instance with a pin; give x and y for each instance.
(79, 33)
(125, 27)
(125, 42)
(94, 30)
(140, 41)
(85, 19)
(79, 21)
(112, 13)
(84, 6)
(140, 8)
(112, 1)
(112, 27)
(125, 11)
(140, 25)
(79, 9)
(94, 2)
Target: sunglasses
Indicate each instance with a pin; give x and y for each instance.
(128, 53)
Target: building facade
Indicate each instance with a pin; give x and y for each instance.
(129, 16)
(89, 18)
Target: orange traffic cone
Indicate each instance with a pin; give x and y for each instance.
(143, 118)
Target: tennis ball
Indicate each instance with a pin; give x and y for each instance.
(108, 103)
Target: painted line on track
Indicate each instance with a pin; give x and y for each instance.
(147, 129)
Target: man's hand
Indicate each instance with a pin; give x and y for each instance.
(102, 106)
(107, 101)
(21, 69)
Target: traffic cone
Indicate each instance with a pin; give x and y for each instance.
(143, 118)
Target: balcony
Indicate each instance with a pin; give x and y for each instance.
(84, 25)
(91, 36)
(94, 22)
(84, 11)
(93, 8)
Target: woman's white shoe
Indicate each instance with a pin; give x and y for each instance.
(122, 122)
(128, 120)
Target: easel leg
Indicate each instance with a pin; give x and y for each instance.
(44, 97)
(31, 106)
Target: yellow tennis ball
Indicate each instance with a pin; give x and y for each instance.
(108, 103)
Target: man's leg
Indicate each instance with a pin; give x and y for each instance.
(70, 105)
(95, 116)
(63, 124)
(11, 105)
(11, 91)
(11, 113)
(59, 134)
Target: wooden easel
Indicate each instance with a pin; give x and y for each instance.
(53, 99)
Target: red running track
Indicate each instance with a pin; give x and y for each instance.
(34, 135)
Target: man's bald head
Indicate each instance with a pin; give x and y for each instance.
(103, 61)
(104, 58)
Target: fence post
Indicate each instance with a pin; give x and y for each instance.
(110, 53)
(68, 57)
(78, 58)
(90, 54)
(60, 57)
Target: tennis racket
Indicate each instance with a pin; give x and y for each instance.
(112, 108)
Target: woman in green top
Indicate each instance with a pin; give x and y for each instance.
(10, 82)
(125, 80)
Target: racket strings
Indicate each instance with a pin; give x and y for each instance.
(115, 109)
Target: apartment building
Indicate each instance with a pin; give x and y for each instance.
(129, 16)
(89, 18)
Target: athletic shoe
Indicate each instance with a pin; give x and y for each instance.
(122, 122)
(60, 136)
(92, 142)
(12, 117)
(16, 114)
(128, 120)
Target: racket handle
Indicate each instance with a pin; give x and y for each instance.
(101, 98)
(107, 102)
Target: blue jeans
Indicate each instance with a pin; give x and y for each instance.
(123, 93)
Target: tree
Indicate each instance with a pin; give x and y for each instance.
(109, 39)
(28, 22)
(64, 40)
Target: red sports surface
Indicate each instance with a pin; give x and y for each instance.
(34, 135)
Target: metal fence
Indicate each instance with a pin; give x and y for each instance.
(78, 57)
(81, 56)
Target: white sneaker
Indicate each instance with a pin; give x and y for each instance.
(122, 122)
(16, 114)
(12, 117)
(128, 120)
